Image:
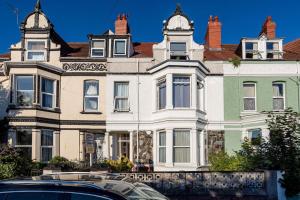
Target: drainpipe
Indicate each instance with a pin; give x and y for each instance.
(297, 82)
(138, 109)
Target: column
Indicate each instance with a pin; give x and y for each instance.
(56, 143)
(36, 145)
(169, 147)
(169, 82)
(193, 90)
(193, 147)
(131, 146)
(106, 146)
(81, 146)
(202, 148)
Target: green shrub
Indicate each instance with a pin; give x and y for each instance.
(63, 163)
(13, 163)
(121, 165)
(223, 162)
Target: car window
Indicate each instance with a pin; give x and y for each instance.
(79, 196)
(29, 195)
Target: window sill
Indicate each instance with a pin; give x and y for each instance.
(34, 107)
(122, 111)
(87, 112)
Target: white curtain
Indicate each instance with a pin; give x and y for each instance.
(181, 91)
(36, 45)
(277, 90)
(91, 88)
(181, 142)
(249, 90)
(121, 96)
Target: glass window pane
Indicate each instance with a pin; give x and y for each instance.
(98, 52)
(47, 85)
(181, 79)
(98, 44)
(181, 155)
(91, 88)
(24, 98)
(162, 95)
(249, 45)
(121, 104)
(249, 104)
(270, 45)
(181, 138)
(181, 91)
(46, 154)
(178, 46)
(91, 103)
(162, 154)
(36, 45)
(24, 137)
(121, 89)
(47, 101)
(277, 90)
(278, 104)
(162, 139)
(249, 90)
(24, 82)
(47, 138)
(120, 47)
(36, 55)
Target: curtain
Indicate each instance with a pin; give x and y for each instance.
(162, 95)
(181, 91)
(162, 154)
(277, 90)
(249, 90)
(181, 142)
(47, 138)
(162, 139)
(121, 96)
(91, 88)
(178, 46)
(47, 86)
(46, 154)
(98, 44)
(181, 155)
(249, 103)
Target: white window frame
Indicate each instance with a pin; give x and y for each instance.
(173, 148)
(173, 101)
(252, 51)
(43, 51)
(120, 97)
(159, 147)
(53, 95)
(16, 89)
(92, 48)
(160, 81)
(47, 146)
(120, 54)
(250, 83)
(91, 96)
(279, 97)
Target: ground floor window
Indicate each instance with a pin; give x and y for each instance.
(46, 145)
(254, 136)
(24, 142)
(162, 147)
(181, 146)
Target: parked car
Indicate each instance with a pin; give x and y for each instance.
(53, 190)
(128, 188)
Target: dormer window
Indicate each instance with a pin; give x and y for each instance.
(272, 50)
(36, 50)
(120, 47)
(178, 50)
(251, 50)
(98, 48)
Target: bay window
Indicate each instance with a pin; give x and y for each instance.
(91, 95)
(162, 147)
(181, 91)
(119, 47)
(46, 145)
(24, 90)
(181, 146)
(98, 48)
(36, 50)
(121, 93)
(278, 96)
(161, 93)
(249, 96)
(24, 142)
(48, 93)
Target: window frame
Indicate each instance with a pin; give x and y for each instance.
(89, 96)
(47, 146)
(173, 53)
(53, 95)
(121, 97)
(15, 96)
(120, 54)
(21, 145)
(174, 147)
(43, 51)
(162, 146)
(158, 84)
(250, 51)
(92, 48)
(173, 89)
(279, 97)
(255, 98)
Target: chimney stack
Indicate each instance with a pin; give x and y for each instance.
(121, 25)
(269, 28)
(213, 34)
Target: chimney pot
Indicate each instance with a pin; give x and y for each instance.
(213, 34)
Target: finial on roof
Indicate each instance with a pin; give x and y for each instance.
(178, 9)
(37, 6)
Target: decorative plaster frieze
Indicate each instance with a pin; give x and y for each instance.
(80, 67)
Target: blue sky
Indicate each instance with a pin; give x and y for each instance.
(74, 19)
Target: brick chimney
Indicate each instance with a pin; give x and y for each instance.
(269, 28)
(213, 34)
(121, 25)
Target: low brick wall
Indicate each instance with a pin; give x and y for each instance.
(238, 184)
